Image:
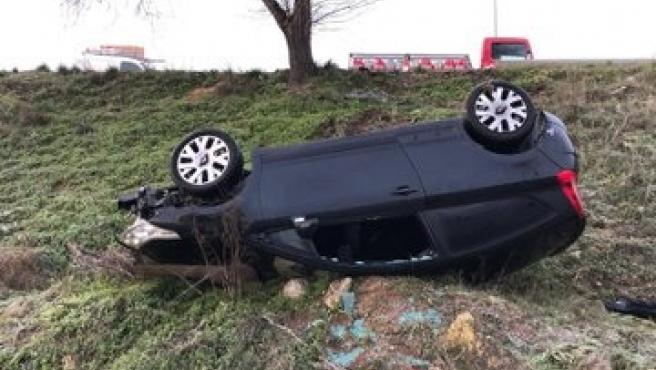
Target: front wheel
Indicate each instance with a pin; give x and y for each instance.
(206, 162)
(499, 114)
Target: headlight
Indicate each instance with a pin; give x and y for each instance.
(143, 231)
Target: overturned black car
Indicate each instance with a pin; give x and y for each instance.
(487, 194)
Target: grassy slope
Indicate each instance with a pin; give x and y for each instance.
(111, 132)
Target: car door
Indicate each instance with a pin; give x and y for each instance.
(336, 180)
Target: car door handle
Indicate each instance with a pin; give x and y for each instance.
(404, 190)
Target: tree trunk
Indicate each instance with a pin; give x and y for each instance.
(298, 34)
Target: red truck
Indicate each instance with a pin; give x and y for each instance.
(493, 49)
(504, 48)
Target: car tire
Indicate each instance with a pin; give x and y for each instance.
(207, 163)
(499, 114)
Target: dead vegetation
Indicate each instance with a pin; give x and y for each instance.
(22, 269)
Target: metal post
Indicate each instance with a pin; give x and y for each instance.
(496, 16)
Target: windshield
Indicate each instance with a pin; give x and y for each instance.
(509, 51)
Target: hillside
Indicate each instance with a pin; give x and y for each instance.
(71, 142)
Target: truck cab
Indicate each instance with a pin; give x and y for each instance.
(504, 48)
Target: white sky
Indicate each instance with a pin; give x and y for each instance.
(217, 34)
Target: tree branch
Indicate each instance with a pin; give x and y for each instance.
(333, 10)
(279, 14)
(144, 8)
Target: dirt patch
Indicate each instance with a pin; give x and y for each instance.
(200, 93)
(387, 330)
(22, 269)
(228, 84)
(379, 303)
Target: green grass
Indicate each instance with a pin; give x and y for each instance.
(71, 143)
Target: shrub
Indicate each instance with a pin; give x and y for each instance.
(63, 70)
(43, 68)
(330, 66)
(111, 73)
(16, 112)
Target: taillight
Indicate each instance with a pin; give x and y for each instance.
(567, 181)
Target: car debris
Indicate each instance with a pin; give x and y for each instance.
(633, 307)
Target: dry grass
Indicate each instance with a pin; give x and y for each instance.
(21, 269)
(110, 262)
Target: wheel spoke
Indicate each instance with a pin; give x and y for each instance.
(186, 171)
(514, 98)
(218, 144)
(215, 173)
(498, 94)
(186, 166)
(194, 178)
(200, 142)
(496, 125)
(221, 159)
(483, 114)
(483, 100)
(519, 112)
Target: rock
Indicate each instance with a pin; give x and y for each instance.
(461, 335)
(595, 361)
(337, 288)
(413, 317)
(295, 288)
(69, 363)
(348, 302)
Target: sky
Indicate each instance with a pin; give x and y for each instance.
(236, 34)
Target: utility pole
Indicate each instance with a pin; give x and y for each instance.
(496, 16)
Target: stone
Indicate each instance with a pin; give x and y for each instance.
(333, 297)
(69, 363)
(295, 288)
(348, 302)
(461, 335)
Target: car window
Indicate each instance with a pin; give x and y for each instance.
(508, 51)
(129, 67)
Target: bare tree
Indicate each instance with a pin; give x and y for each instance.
(296, 19)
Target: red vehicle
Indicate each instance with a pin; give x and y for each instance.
(494, 49)
(504, 48)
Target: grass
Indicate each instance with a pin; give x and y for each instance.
(83, 138)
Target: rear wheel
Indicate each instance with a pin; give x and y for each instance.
(499, 114)
(207, 162)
